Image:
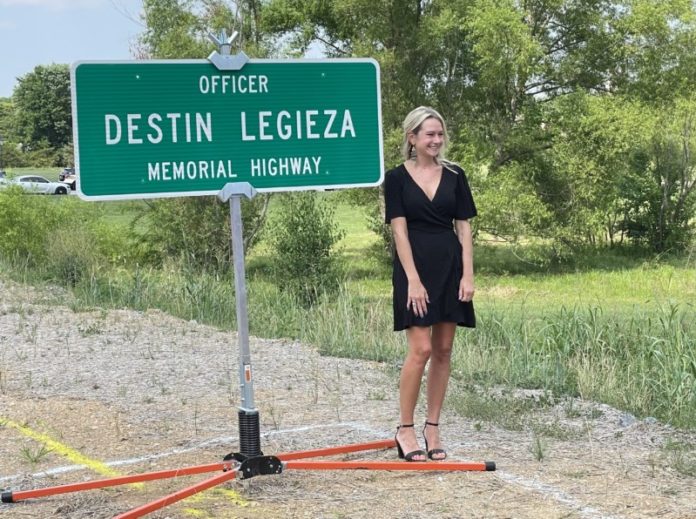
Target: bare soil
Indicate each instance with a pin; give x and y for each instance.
(138, 392)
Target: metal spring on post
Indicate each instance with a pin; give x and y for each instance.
(249, 433)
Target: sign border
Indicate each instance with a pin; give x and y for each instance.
(135, 196)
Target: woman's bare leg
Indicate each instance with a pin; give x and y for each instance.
(438, 378)
(419, 348)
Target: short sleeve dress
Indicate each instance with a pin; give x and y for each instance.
(436, 249)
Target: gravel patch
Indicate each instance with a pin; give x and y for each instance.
(143, 391)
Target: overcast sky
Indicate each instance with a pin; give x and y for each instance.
(41, 32)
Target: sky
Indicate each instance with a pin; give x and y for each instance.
(41, 32)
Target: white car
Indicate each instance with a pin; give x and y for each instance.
(41, 185)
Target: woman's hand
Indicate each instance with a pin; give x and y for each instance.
(417, 298)
(466, 289)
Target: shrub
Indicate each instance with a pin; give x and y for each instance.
(196, 230)
(25, 222)
(67, 259)
(302, 234)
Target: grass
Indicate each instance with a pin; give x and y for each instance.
(615, 325)
(114, 212)
(681, 457)
(35, 456)
(538, 448)
(642, 359)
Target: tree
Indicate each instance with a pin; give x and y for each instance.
(489, 66)
(672, 168)
(43, 116)
(6, 114)
(625, 168)
(178, 29)
(522, 85)
(657, 59)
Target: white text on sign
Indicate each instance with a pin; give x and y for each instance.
(174, 127)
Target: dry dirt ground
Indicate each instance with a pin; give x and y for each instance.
(86, 395)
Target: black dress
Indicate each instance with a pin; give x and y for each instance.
(437, 251)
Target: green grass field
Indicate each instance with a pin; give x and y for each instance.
(611, 325)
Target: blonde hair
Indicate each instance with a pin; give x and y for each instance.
(412, 124)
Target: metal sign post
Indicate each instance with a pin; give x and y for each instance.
(249, 428)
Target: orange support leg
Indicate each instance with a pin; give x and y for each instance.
(178, 496)
(13, 497)
(391, 465)
(343, 449)
(252, 466)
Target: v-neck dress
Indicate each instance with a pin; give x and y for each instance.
(436, 249)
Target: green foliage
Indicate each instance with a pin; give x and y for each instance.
(642, 364)
(624, 170)
(671, 152)
(196, 229)
(6, 113)
(640, 358)
(302, 234)
(42, 104)
(172, 30)
(25, 225)
(48, 235)
(658, 51)
(179, 29)
(7, 132)
(346, 326)
(535, 330)
(67, 259)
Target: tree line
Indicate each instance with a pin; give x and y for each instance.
(574, 119)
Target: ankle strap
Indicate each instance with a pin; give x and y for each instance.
(406, 425)
(431, 423)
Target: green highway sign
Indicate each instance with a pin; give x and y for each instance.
(146, 129)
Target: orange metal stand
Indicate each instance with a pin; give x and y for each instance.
(240, 466)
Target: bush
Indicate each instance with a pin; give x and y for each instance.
(196, 230)
(67, 259)
(302, 234)
(59, 237)
(25, 222)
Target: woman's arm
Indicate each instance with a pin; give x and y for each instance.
(466, 285)
(417, 295)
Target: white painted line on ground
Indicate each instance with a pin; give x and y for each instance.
(208, 443)
(116, 463)
(555, 493)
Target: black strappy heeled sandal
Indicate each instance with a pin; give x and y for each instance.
(410, 455)
(433, 452)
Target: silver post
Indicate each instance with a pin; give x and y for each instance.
(245, 376)
(249, 429)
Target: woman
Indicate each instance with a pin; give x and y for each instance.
(433, 275)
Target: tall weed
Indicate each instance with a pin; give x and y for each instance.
(645, 363)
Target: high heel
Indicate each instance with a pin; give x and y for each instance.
(410, 455)
(432, 452)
